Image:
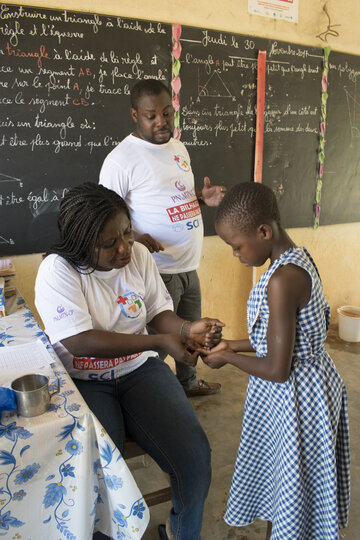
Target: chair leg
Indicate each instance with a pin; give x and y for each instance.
(158, 497)
(132, 450)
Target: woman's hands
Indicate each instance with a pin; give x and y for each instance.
(184, 340)
(182, 349)
(195, 338)
(205, 332)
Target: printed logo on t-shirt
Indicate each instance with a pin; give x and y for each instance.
(130, 304)
(184, 211)
(62, 313)
(182, 163)
(179, 185)
(88, 363)
(178, 227)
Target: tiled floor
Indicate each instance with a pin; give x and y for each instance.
(221, 417)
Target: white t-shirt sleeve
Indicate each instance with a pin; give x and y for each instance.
(157, 297)
(114, 177)
(60, 300)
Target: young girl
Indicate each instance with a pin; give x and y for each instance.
(293, 462)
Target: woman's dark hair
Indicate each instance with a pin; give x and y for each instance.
(82, 216)
(248, 205)
(147, 87)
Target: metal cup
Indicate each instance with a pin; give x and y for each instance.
(32, 394)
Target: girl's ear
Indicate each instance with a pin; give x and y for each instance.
(265, 231)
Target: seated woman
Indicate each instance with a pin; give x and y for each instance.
(96, 290)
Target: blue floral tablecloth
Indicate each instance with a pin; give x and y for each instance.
(61, 476)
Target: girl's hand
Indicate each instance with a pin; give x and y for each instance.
(216, 357)
(206, 332)
(180, 348)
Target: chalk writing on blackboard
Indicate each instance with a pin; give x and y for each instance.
(65, 81)
(218, 113)
(221, 100)
(341, 185)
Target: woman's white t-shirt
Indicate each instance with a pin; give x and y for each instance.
(121, 300)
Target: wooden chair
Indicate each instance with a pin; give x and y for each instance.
(132, 449)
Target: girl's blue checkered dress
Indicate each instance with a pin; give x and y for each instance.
(293, 464)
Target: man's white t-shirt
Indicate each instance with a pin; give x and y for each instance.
(157, 183)
(121, 300)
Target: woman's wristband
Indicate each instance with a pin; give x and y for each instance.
(185, 329)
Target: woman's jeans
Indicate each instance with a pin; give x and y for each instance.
(150, 405)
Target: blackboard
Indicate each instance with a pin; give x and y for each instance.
(65, 79)
(218, 115)
(340, 200)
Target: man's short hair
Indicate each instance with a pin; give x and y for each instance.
(147, 87)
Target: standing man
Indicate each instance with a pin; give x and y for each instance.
(151, 171)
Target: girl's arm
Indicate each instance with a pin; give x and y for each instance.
(240, 345)
(288, 291)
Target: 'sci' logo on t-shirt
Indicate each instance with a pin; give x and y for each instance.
(181, 162)
(130, 304)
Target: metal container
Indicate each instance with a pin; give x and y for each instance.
(32, 393)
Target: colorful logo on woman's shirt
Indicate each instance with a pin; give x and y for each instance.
(130, 304)
(181, 162)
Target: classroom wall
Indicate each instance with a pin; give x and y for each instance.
(336, 248)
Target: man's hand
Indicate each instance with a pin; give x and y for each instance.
(150, 242)
(212, 195)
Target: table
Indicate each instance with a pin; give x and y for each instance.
(61, 476)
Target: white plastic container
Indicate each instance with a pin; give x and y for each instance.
(349, 323)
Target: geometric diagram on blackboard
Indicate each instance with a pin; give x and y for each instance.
(354, 113)
(214, 87)
(4, 241)
(6, 178)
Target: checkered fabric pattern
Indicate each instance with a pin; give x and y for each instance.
(293, 463)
